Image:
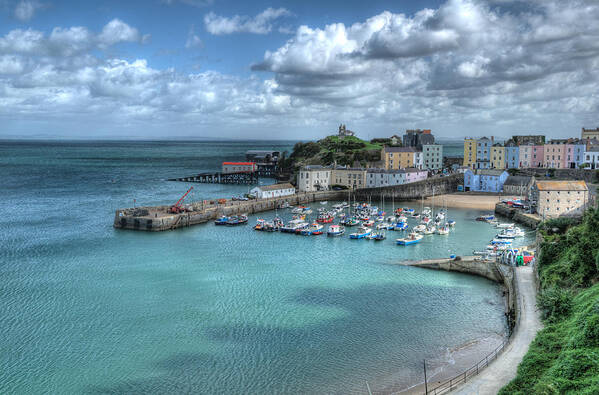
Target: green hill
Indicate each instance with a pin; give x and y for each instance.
(564, 357)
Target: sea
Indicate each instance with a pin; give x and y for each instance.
(86, 308)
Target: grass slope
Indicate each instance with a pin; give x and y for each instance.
(564, 357)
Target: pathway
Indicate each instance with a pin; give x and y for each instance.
(503, 369)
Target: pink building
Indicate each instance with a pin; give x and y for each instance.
(537, 155)
(555, 154)
(412, 175)
(525, 159)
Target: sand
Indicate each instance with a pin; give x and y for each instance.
(465, 200)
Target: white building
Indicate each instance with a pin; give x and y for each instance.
(592, 158)
(418, 160)
(314, 178)
(272, 191)
(432, 157)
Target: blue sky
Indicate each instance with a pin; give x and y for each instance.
(275, 69)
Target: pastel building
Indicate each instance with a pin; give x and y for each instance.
(352, 178)
(555, 154)
(483, 152)
(377, 178)
(575, 154)
(497, 156)
(432, 156)
(485, 180)
(470, 152)
(537, 155)
(414, 175)
(525, 156)
(395, 158)
(591, 158)
(272, 191)
(512, 155)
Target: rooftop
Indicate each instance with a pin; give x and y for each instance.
(490, 172)
(275, 187)
(517, 180)
(239, 163)
(400, 149)
(562, 186)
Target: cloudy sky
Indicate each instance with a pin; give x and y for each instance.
(295, 70)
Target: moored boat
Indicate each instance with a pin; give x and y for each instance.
(361, 233)
(335, 230)
(413, 238)
(222, 220)
(312, 230)
(237, 220)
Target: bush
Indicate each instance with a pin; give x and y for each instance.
(555, 303)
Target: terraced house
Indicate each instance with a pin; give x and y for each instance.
(351, 178)
(396, 158)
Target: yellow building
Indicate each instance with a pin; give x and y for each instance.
(396, 158)
(497, 156)
(470, 152)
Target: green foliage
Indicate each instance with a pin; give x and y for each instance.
(564, 357)
(596, 178)
(561, 224)
(554, 303)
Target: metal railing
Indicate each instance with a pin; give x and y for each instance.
(450, 384)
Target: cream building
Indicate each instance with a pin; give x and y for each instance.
(559, 198)
(396, 158)
(497, 156)
(470, 152)
(353, 178)
(314, 178)
(590, 134)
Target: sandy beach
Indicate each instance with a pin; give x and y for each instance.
(464, 200)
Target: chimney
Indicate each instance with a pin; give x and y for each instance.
(492, 140)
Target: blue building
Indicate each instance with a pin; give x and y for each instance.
(485, 180)
(483, 153)
(512, 155)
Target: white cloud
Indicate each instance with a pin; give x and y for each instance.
(26, 9)
(464, 68)
(260, 24)
(193, 40)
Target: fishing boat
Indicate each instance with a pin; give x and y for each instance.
(325, 219)
(419, 228)
(335, 230)
(415, 215)
(451, 223)
(488, 217)
(293, 225)
(352, 222)
(237, 220)
(401, 226)
(312, 230)
(323, 203)
(443, 230)
(361, 233)
(222, 220)
(429, 230)
(501, 241)
(382, 226)
(402, 218)
(413, 238)
(377, 236)
(504, 226)
(368, 223)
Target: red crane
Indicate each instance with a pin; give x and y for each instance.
(176, 208)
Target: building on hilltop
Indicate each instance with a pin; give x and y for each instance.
(589, 134)
(343, 132)
(272, 191)
(417, 138)
(551, 199)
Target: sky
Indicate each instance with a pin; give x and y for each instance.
(297, 69)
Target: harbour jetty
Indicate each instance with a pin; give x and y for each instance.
(221, 178)
(523, 320)
(518, 215)
(160, 218)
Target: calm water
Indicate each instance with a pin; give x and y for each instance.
(87, 308)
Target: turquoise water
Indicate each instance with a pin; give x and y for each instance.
(87, 308)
